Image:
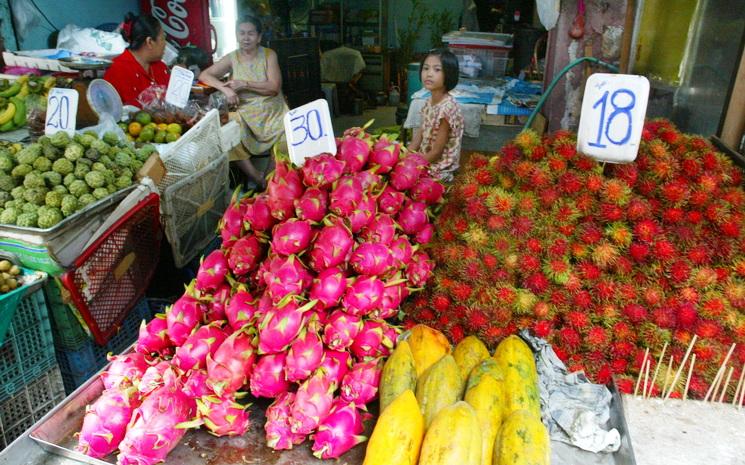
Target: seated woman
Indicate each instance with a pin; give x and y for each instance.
(141, 65)
(255, 87)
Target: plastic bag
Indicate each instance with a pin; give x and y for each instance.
(106, 123)
(153, 101)
(219, 102)
(89, 40)
(548, 12)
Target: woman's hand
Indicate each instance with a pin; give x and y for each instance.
(230, 94)
(237, 85)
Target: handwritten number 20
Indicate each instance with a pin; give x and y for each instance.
(604, 127)
(308, 126)
(60, 111)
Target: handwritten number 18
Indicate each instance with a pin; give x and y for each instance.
(604, 127)
(308, 125)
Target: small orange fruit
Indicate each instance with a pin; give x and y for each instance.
(134, 128)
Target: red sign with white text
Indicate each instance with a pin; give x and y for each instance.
(185, 22)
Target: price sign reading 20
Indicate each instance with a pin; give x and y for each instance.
(612, 119)
(62, 110)
(309, 131)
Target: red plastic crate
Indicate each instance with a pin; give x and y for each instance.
(111, 276)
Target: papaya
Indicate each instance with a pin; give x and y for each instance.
(521, 391)
(468, 353)
(514, 350)
(399, 374)
(398, 434)
(453, 438)
(439, 387)
(486, 399)
(522, 440)
(485, 367)
(427, 346)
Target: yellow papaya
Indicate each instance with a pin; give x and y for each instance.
(485, 367)
(521, 391)
(468, 353)
(439, 387)
(522, 440)
(398, 434)
(427, 346)
(486, 399)
(514, 350)
(453, 438)
(399, 374)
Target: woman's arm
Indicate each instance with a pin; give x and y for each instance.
(273, 83)
(435, 152)
(416, 140)
(213, 75)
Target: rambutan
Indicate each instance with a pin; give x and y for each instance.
(597, 338)
(542, 328)
(584, 163)
(610, 212)
(689, 294)
(686, 315)
(638, 209)
(605, 290)
(506, 295)
(577, 320)
(566, 150)
(536, 282)
(699, 255)
(664, 250)
(540, 178)
(557, 164)
(524, 301)
(713, 306)
(622, 349)
(570, 339)
(703, 278)
(664, 317)
(496, 222)
(622, 331)
(542, 310)
(590, 234)
(557, 248)
(477, 319)
(627, 173)
(707, 329)
(441, 302)
(604, 254)
(675, 192)
(521, 226)
(619, 233)
(594, 182)
(582, 299)
(673, 215)
(679, 271)
(635, 313)
(484, 177)
(529, 263)
(558, 270)
(499, 201)
(616, 191)
(462, 291)
(588, 271)
(646, 230)
(490, 261)
(469, 190)
(476, 208)
(456, 333)
(548, 196)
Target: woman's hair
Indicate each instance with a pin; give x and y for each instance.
(136, 29)
(449, 66)
(251, 19)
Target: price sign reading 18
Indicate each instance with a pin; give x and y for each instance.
(612, 119)
(309, 131)
(62, 111)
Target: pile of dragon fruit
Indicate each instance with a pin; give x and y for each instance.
(293, 307)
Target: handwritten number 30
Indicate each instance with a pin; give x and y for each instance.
(604, 127)
(60, 111)
(314, 130)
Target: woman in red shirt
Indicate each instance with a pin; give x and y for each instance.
(141, 65)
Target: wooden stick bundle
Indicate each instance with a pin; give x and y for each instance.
(688, 378)
(641, 371)
(720, 372)
(739, 385)
(682, 364)
(726, 384)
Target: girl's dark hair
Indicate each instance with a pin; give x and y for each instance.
(136, 29)
(449, 66)
(252, 20)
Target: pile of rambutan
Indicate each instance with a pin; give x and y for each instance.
(603, 261)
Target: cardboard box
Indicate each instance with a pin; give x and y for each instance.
(153, 168)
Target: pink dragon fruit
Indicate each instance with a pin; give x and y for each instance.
(195, 385)
(420, 269)
(408, 171)
(281, 326)
(328, 287)
(424, 235)
(152, 379)
(105, 422)
(390, 200)
(218, 302)
(363, 213)
(291, 237)
(313, 205)
(346, 195)
(322, 170)
(153, 336)
(381, 229)
(241, 308)
(268, 376)
(124, 370)
(264, 306)
(413, 217)
(231, 224)
(354, 152)
(331, 247)
(427, 190)
(223, 416)
(339, 431)
(394, 293)
(312, 403)
(245, 255)
(341, 329)
(283, 189)
(258, 214)
(374, 340)
(291, 278)
(230, 366)
(182, 317)
(372, 259)
(336, 364)
(402, 251)
(369, 180)
(384, 155)
(192, 355)
(305, 353)
(363, 295)
(277, 426)
(212, 271)
(320, 314)
(360, 385)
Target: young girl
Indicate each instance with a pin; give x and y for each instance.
(442, 122)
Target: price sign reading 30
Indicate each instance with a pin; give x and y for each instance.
(309, 131)
(612, 119)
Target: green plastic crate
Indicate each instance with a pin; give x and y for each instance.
(10, 301)
(69, 332)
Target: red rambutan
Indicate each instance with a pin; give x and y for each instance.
(635, 313)
(686, 315)
(542, 328)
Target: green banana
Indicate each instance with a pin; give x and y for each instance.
(49, 82)
(7, 126)
(24, 90)
(8, 114)
(12, 90)
(19, 118)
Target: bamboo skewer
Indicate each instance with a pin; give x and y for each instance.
(641, 371)
(688, 378)
(726, 384)
(714, 386)
(742, 397)
(682, 364)
(720, 372)
(667, 376)
(739, 385)
(657, 369)
(646, 379)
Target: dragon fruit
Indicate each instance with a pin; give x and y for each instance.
(354, 152)
(331, 247)
(372, 259)
(305, 353)
(328, 287)
(408, 171)
(394, 293)
(290, 278)
(231, 364)
(369, 180)
(231, 224)
(218, 302)
(195, 385)
(291, 237)
(283, 189)
(363, 213)
(124, 370)
(153, 336)
(312, 403)
(268, 376)
(363, 295)
(420, 269)
(192, 355)
(245, 255)
(277, 426)
(381, 229)
(341, 329)
(105, 422)
(384, 155)
(376, 339)
(182, 317)
(390, 200)
(313, 205)
(401, 251)
(346, 195)
(241, 308)
(212, 271)
(223, 416)
(281, 326)
(339, 431)
(258, 214)
(427, 190)
(360, 385)
(336, 364)
(425, 234)
(152, 379)
(322, 170)
(413, 217)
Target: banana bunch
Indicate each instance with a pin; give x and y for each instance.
(13, 98)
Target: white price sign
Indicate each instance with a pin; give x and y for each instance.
(62, 111)
(179, 86)
(309, 131)
(612, 118)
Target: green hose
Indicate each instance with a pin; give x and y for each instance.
(555, 80)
